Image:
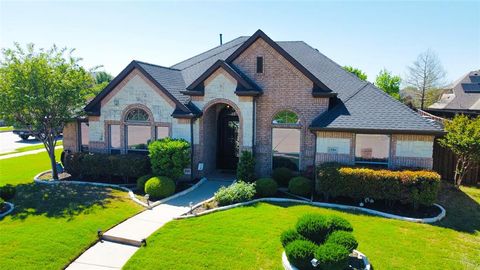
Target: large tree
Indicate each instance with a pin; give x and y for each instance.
(426, 73)
(42, 90)
(357, 72)
(463, 138)
(389, 83)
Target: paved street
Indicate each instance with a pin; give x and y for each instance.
(9, 142)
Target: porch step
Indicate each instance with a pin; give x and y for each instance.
(121, 240)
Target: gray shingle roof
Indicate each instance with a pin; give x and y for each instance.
(463, 95)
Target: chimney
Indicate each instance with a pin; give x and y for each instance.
(221, 42)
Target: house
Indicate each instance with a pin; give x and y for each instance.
(285, 101)
(463, 96)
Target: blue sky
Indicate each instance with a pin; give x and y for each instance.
(367, 35)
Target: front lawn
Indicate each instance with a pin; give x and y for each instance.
(248, 238)
(52, 225)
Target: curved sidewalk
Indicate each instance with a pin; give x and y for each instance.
(113, 255)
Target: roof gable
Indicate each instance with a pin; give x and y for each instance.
(245, 86)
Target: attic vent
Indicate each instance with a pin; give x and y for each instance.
(259, 64)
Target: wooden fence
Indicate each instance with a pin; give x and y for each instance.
(444, 163)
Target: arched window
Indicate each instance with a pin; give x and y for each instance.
(137, 115)
(285, 117)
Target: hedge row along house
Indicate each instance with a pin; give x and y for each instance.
(285, 101)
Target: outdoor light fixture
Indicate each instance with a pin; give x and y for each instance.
(147, 196)
(191, 207)
(99, 234)
(314, 262)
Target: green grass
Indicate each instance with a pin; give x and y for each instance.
(29, 148)
(22, 169)
(248, 238)
(52, 225)
(8, 128)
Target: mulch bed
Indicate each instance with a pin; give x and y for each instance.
(61, 176)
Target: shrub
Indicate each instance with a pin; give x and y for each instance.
(1, 203)
(332, 257)
(169, 157)
(314, 227)
(7, 192)
(300, 186)
(300, 253)
(282, 175)
(141, 182)
(246, 167)
(413, 187)
(235, 193)
(159, 187)
(285, 162)
(289, 236)
(343, 238)
(340, 224)
(266, 187)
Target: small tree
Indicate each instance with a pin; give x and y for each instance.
(246, 167)
(41, 91)
(169, 157)
(357, 72)
(463, 138)
(389, 83)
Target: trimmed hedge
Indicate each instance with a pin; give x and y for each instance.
(340, 224)
(102, 167)
(300, 253)
(235, 193)
(169, 157)
(412, 187)
(282, 175)
(289, 236)
(266, 187)
(332, 257)
(314, 227)
(159, 187)
(343, 238)
(300, 186)
(246, 167)
(7, 192)
(141, 182)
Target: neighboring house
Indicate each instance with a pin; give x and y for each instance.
(286, 101)
(463, 96)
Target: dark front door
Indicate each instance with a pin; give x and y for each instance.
(227, 145)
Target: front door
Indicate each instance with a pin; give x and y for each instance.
(227, 144)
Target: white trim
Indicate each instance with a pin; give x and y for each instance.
(326, 205)
(36, 179)
(287, 266)
(11, 205)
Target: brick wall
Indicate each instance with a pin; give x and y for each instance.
(70, 137)
(285, 88)
(347, 157)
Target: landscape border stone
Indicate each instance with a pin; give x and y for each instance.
(11, 206)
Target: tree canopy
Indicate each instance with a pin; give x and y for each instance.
(357, 72)
(42, 90)
(389, 83)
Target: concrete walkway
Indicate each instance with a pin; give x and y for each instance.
(112, 255)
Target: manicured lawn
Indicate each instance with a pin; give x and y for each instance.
(7, 128)
(21, 170)
(29, 148)
(52, 225)
(248, 238)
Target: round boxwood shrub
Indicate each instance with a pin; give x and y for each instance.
(289, 236)
(282, 175)
(344, 239)
(300, 186)
(300, 253)
(7, 192)
(340, 224)
(141, 182)
(332, 257)
(266, 187)
(159, 187)
(314, 227)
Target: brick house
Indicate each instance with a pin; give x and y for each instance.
(285, 101)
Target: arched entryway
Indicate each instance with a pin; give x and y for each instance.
(221, 136)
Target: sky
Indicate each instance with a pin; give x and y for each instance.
(367, 35)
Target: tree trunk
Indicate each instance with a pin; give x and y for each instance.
(53, 162)
(460, 171)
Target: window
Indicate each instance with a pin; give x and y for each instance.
(259, 64)
(136, 115)
(286, 148)
(138, 137)
(114, 138)
(374, 149)
(84, 136)
(285, 117)
(161, 132)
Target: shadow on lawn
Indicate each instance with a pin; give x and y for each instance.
(58, 201)
(463, 212)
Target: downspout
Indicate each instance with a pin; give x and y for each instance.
(314, 166)
(192, 120)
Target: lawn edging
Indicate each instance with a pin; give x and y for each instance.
(11, 207)
(132, 196)
(325, 205)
